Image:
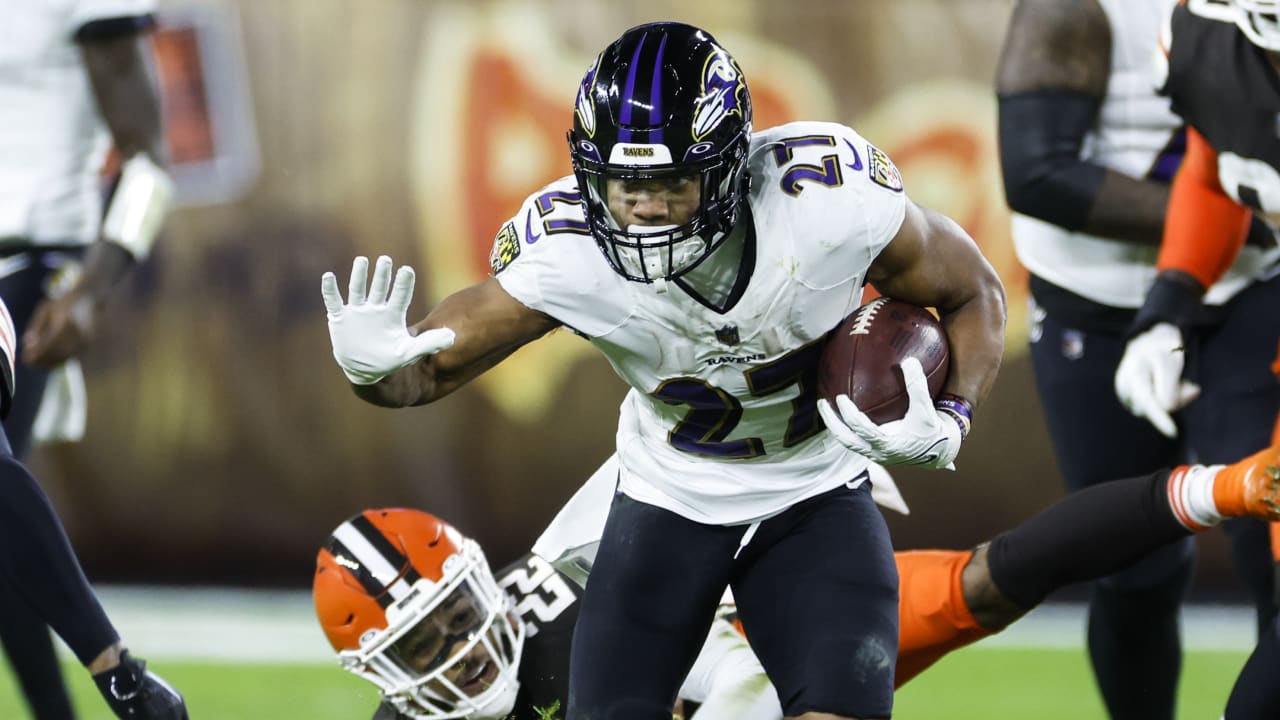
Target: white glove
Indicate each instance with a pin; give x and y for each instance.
(924, 436)
(1149, 378)
(369, 335)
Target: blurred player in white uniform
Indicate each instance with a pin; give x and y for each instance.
(74, 80)
(1088, 151)
(708, 263)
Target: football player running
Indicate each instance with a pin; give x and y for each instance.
(1222, 61)
(707, 262)
(411, 605)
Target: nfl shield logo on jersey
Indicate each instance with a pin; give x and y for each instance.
(727, 335)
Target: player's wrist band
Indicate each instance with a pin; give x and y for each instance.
(958, 408)
(1174, 298)
(138, 206)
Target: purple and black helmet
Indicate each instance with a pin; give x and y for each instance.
(663, 100)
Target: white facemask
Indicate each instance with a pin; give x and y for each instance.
(654, 260)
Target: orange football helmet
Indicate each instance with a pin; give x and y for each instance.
(411, 605)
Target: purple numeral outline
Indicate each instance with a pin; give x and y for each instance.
(828, 173)
(714, 413)
(546, 204)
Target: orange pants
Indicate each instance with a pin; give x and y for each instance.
(1275, 438)
(933, 618)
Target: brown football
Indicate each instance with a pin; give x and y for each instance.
(862, 355)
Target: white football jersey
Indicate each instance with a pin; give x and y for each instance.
(572, 538)
(720, 425)
(52, 139)
(1139, 136)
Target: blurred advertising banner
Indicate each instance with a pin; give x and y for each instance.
(207, 108)
(222, 434)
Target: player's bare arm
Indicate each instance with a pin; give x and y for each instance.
(124, 85)
(1051, 80)
(127, 96)
(489, 324)
(933, 262)
(393, 365)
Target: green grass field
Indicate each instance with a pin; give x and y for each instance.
(974, 684)
(1048, 685)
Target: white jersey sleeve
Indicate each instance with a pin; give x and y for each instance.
(545, 258)
(840, 190)
(53, 144)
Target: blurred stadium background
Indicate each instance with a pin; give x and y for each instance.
(222, 443)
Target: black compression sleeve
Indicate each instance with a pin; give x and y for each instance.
(1086, 535)
(1174, 298)
(1041, 133)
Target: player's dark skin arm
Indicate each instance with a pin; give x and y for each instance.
(1065, 45)
(989, 607)
(128, 100)
(490, 325)
(933, 262)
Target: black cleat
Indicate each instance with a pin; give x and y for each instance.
(135, 694)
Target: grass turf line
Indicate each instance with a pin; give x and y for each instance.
(973, 684)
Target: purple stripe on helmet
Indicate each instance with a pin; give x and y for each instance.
(628, 93)
(655, 94)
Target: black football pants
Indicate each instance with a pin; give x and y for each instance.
(816, 589)
(1133, 626)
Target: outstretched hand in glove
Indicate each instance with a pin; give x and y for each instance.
(369, 334)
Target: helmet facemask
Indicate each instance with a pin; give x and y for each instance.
(1259, 20)
(645, 253)
(451, 649)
